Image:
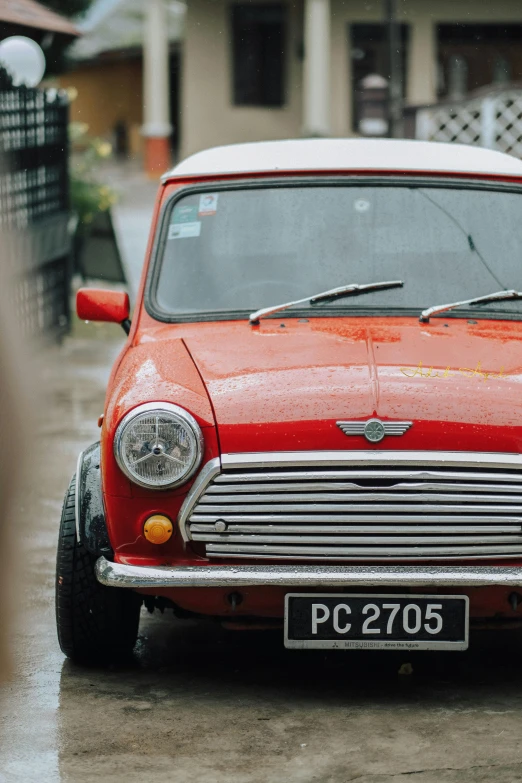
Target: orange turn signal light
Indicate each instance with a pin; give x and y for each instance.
(157, 529)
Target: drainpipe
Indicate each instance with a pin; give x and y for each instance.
(316, 77)
(156, 89)
(395, 100)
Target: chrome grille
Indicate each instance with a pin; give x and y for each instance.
(346, 506)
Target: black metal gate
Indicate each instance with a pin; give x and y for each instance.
(34, 205)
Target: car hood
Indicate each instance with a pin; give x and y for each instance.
(283, 386)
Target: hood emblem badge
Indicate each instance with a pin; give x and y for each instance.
(374, 430)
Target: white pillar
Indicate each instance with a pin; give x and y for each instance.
(156, 87)
(422, 62)
(316, 87)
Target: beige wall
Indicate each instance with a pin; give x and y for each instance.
(208, 116)
(107, 93)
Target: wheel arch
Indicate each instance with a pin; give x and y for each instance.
(91, 527)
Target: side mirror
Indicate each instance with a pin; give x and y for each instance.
(98, 304)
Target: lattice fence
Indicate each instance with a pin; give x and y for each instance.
(493, 121)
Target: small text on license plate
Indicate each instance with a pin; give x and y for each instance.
(393, 622)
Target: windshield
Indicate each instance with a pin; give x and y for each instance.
(229, 252)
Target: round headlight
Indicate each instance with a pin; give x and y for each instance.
(158, 445)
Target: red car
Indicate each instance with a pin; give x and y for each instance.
(316, 420)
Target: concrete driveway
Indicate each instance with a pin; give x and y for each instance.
(212, 706)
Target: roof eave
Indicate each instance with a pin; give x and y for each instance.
(33, 15)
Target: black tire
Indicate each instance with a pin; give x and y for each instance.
(96, 624)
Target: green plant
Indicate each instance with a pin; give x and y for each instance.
(88, 194)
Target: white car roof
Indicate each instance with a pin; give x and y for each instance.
(346, 155)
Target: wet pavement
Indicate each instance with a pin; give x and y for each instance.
(132, 216)
(200, 703)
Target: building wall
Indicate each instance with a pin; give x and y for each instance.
(208, 116)
(108, 93)
(423, 16)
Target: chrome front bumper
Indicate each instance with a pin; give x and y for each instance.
(118, 575)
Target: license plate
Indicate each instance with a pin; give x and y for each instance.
(390, 622)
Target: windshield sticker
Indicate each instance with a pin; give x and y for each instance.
(429, 372)
(185, 214)
(361, 205)
(208, 204)
(185, 230)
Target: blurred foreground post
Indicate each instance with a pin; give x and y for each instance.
(316, 99)
(16, 437)
(34, 284)
(395, 117)
(156, 93)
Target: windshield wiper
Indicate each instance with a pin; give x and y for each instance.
(498, 296)
(334, 293)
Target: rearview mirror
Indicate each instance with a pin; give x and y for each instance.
(98, 304)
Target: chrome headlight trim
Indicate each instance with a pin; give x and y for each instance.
(162, 407)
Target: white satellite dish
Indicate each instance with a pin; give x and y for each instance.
(24, 60)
